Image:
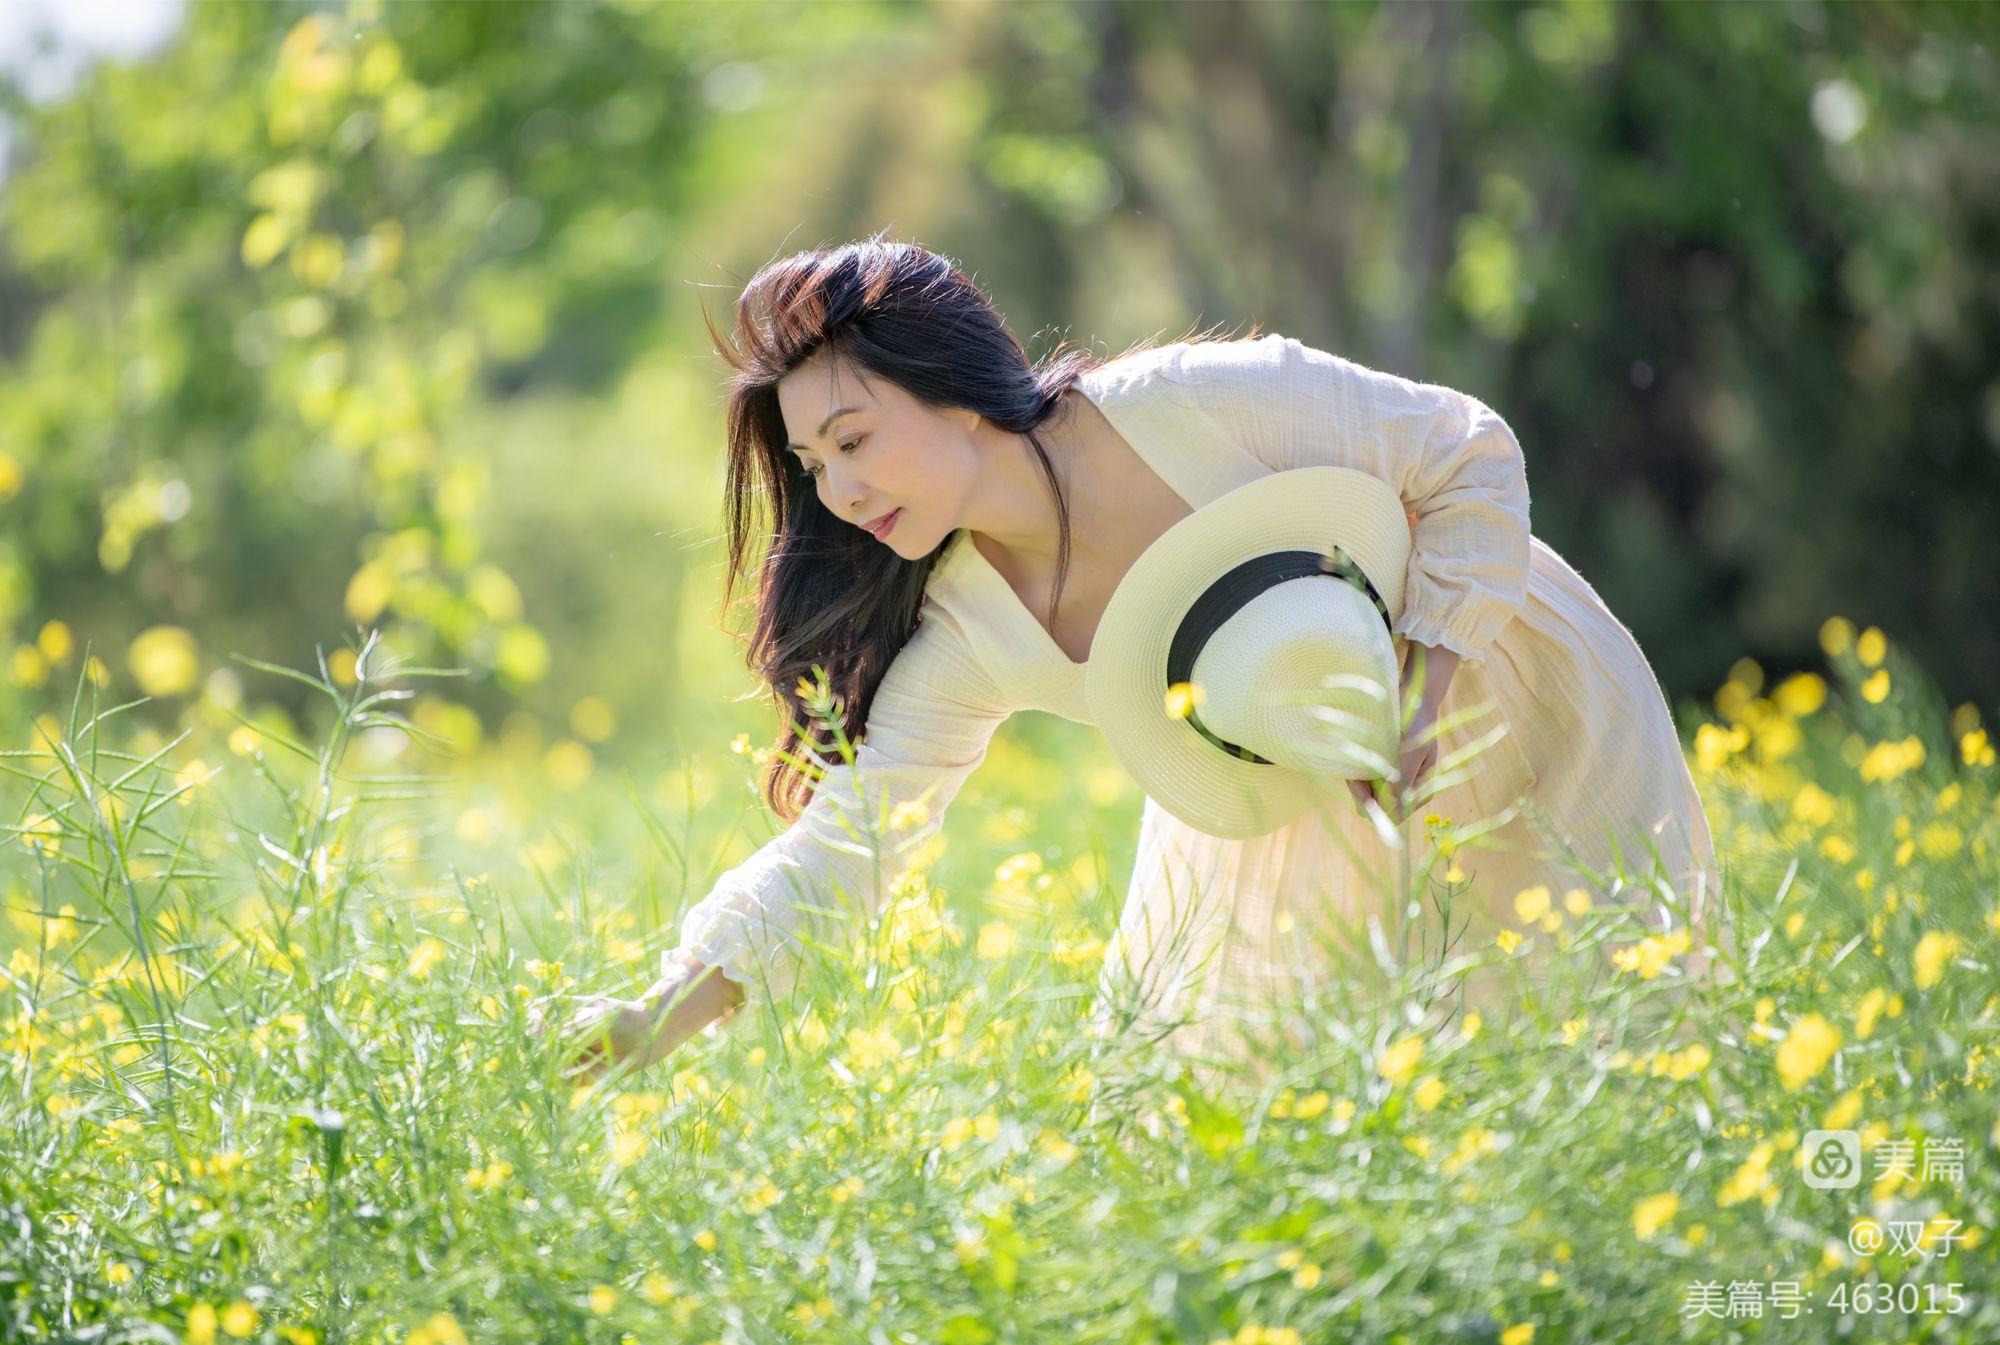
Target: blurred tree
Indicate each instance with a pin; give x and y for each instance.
(1726, 269)
(276, 265)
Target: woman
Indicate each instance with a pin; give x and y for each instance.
(950, 524)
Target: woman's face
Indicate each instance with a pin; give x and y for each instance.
(887, 453)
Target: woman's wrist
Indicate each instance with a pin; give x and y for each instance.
(1439, 664)
(688, 998)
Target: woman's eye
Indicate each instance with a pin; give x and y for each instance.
(813, 472)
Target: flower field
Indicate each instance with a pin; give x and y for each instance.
(262, 1008)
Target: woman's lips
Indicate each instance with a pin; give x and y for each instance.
(881, 530)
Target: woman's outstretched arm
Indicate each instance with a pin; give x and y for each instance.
(928, 727)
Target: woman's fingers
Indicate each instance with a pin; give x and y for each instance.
(584, 1023)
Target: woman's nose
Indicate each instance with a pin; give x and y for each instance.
(842, 498)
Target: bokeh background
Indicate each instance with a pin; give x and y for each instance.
(322, 323)
(316, 318)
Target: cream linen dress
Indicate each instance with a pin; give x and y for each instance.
(1583, 764)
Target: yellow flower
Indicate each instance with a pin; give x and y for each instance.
(868, 1050)
(1182, 697)
(1508, 940)
(1687, 1062)
(1871, 647)
(568, 764)
(956, 1132)
(1306, 1276)
(626, 1146)
(997, 938)
(1577, 902)
(592, 718)
(27, 666)
(42, 833)
(1531, 903)
(1519, 1334)
(55, 641)
(1887, 760)
(1652, 954)
(1430, 1092)
(1875, 689)
(1935, 952)
(1976, 748)
(1018, 868)
(762, 1196)
(490, 1176)
(1573, 1029)
(656, 1288)
(1311, 1105)
(239, 1319)
(1801, 694)
(427, 954)
(705, 1240)
(1650, 1215)
(1399, 1062)
(1753, 1178)
(163, 660)
(1807, 1047)
(1713, 745)
(603, 1298)
(200, 1329)
(1814, 805)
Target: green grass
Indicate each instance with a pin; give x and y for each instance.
(268, 1074)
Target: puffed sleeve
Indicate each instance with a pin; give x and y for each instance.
(1454, 461)
(929, 726)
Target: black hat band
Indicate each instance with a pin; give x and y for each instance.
(1227, 595)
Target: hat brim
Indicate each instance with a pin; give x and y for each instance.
(1306, 508)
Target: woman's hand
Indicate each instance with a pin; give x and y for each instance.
(1418, 756)
(604, 1032)
(599, 1031)
(1419, 742)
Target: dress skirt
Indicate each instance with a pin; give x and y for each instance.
(1574, 778)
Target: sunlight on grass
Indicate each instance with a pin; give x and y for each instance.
(263, 1013)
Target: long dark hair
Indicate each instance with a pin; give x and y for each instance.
(826, 594)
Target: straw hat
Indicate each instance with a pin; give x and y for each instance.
(1276, 603)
